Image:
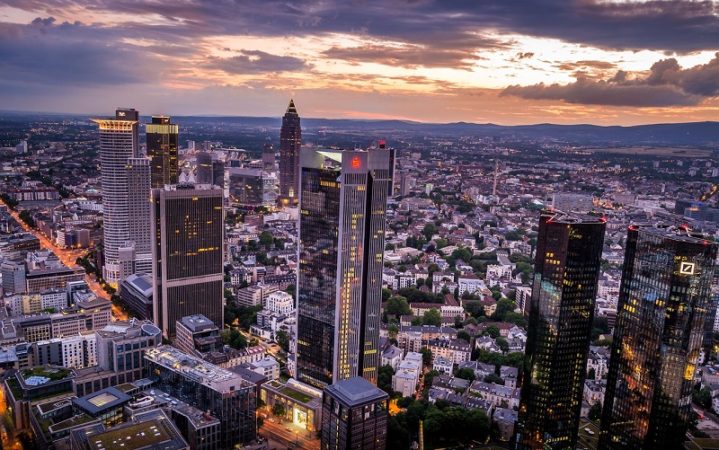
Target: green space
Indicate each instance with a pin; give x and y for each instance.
(54, 374)
(136, 436)
(295, 394)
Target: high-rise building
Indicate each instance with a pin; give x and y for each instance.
(210, 170)
(138, 176)
(187, 254)
(343, 199)
(13, 277)
(118, 142)
(162, 138)
(268, 157)
(663, 301)
(354, 416)
(290, 144)
(566, 273)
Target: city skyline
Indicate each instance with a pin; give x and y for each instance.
(603, 62)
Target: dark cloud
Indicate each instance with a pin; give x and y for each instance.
(50, 54)
(524, 55)
(681, 26)
(407, 56)
(587, 64)
(255, 61)
(666, 84)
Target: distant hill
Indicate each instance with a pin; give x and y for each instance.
(702, 134)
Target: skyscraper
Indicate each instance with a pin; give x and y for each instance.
(566, 272)
(663, 301)
(210, 170)
(138, 176)
(343, 200)
(187, 254)
(290, 143)
(118, 142)
(162, 138)
(268, 157)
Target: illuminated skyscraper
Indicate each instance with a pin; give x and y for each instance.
(566, 272)
(118, 142)
(162, 141)
(663, 302)
(343, 200)
(290, 143)
(187, 254)
(138, 175)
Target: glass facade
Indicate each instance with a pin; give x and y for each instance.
(342, 219)
(567, 264)
(162, 136)
(290, 143)
(663, 302)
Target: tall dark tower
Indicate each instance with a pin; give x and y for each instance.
(663, 302)
(343, 201)
(290, 143)
(162, 138)
(566, 272)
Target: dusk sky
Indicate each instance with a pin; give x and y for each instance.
(504, 61)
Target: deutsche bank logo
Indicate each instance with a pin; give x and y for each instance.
(686, 268)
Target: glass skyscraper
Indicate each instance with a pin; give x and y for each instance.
(343, 199)
(566, 272)
(290, 143)
(663, 302)
(162, 136)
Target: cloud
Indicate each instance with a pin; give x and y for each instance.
(666, 84)
(256, 61)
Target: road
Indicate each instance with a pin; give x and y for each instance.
(289, 435)
(69, 258)
(9, 441)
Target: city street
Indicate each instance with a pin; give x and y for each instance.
(288, 435)
(68, 257)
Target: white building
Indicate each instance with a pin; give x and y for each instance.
(442, 365)
(267, 366)
(280, 302)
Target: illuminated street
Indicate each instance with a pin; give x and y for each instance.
(68, 257)
(289, 434)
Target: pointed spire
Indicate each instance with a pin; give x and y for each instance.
(291, 108)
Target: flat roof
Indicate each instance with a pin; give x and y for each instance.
(102, 400)
(151, 430)
(356, 391)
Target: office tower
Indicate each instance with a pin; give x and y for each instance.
(118, 142)
(354, 416)
(343, 200)
(187, 254)
(663, 302)
(224, 394)
(268, 157)
(136, 294)
(138, 177)
(290, 143)
(392, 166)
(204, 168)
(566, 272)
(252, 187)
(162, 138)
(13, 277)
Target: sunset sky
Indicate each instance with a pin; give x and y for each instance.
(503, 61)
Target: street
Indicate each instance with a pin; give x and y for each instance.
(288, 435)
(68, 257)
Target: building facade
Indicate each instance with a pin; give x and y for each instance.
(290, 144)
(188, 224)
(567, 266)
(162, 138)
(354, 415)
(342, 220)
(663, 302)
(118, 142)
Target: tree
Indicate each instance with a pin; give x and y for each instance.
(432, 317)
(283, 340)
(465, 373)
(426, 356)
(397, 306)
(392, 330)
(703, 397)
(429, 230)
(266, 239)
(278, 410)
(493, 378)
(595, 412)
(516, 318)
(591, 374)
(504, 306)
(384, 379)
(492, 331)
(233, 338)
(461, 334)
(386, 294)
(502, 343)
